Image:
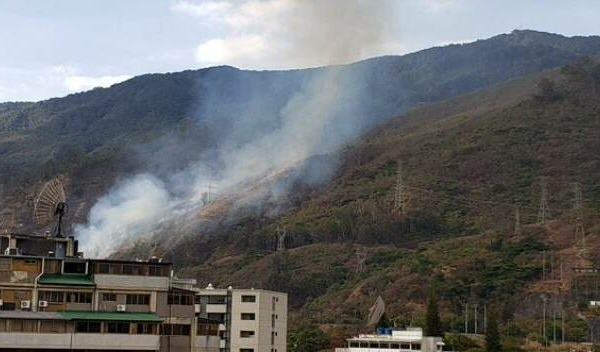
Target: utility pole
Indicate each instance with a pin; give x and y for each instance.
(517, 221)
(578, 207)
(543, 212)
(562, 318)
(475, 311)
(543, 265)
(399, 194)
(544, 319)
(467, 318)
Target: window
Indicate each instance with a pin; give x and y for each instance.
(129, 269)
(395, 346)
(415, 346)
(384, 345)
(145, 329)
(273, 303)
(53, 326)
(373, 345)
(217, 299)
(157, 270)
(74, 268)
(19, 325)
(248, 298)
(246, 349)
(117, 328)
(138, 299)
(5, 264)
(272, 338)
(52, 296)
(218, 317)
(248, 316)
(273, 318)
(208, 329)
(405, 346)
(353, 344)
(79, 297)
(102, 268)
(87, 326)
(175, 330)
(109, 297)
(3, 325)
(246, 333)
(181, 299)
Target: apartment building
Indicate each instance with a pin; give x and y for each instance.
(51, 298)
(249, 320)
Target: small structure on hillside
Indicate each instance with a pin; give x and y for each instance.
(409, 340)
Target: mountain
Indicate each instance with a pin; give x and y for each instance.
(475, 127)
(468, 164)
(100, 132)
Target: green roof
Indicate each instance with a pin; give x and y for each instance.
(111, 316)
(72, 280)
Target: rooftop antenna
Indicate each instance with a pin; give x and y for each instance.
(51, 205)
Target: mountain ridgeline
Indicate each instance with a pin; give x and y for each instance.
(117, 131)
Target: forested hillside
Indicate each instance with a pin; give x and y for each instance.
(469, 165)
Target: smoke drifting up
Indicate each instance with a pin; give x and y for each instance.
(263, 133)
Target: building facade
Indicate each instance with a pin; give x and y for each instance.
(250, 320)
(389, 340)
(53, 299)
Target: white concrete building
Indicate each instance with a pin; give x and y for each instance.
(250, 320)
(409, 340)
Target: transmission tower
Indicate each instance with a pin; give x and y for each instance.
(361, 258)
(399, 194)
(281, 233)
(543, 213)
(578, 207)
(517, 221)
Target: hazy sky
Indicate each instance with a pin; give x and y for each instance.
(51, 48)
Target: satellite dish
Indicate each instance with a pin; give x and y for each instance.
(376, 312)
(51, 205)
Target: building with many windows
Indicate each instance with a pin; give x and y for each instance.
(51, 298)
(250, 320)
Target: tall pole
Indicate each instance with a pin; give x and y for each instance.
(399, 194)
(544, 320)
(467, 318)
(475, 311)
(578, 207)
(517, 230)
(543, 212)
(562, 318)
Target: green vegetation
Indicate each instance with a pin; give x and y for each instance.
(308, 339)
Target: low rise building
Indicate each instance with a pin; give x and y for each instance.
(389, 340)
(250, 320)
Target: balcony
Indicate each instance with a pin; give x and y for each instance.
(17, 340)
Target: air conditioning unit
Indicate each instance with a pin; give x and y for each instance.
(121, 308)
(43, 304)
(25, 304)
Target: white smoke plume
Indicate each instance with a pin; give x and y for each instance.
(319, 118)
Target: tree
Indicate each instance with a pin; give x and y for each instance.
(433, 324)
(308, 339)
(492, 336)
